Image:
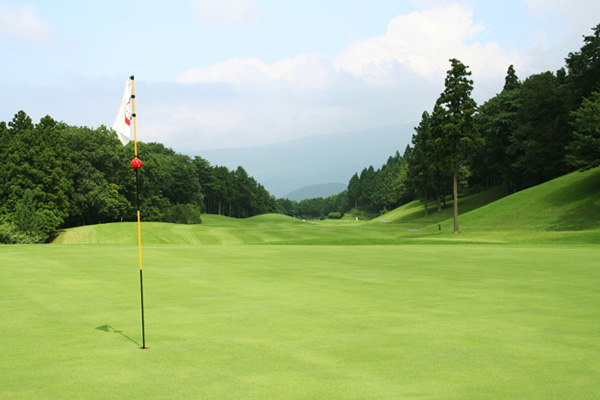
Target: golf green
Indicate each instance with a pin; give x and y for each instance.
(300, 322)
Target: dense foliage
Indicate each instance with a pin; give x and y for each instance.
(54, 176)
(532, 131)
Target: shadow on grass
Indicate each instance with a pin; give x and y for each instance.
(109, 328)
(580, 204)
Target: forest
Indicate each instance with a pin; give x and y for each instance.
(58, 176)
(532, 131)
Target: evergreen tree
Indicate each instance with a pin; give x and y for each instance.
(204, 172)
(390, 181)
(541, 132)
(458, 132)
(367, 188)
(511, 81)
(5, 143)
(584, 150)
(354, 190)
(584, 67)
(497, 121)
(421, 164)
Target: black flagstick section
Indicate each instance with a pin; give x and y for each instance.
(137, 201)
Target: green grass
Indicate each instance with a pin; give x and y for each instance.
(272, 308)
(269, 229)
(564, 210)
(569, 203)
(413, 214)
(298, 322)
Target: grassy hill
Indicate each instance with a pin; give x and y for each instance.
(568, 203)
(413, 213)
(220, 230)
(215, 229)
(566, 209)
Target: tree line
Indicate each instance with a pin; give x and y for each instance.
(534, 130)
(57, 176)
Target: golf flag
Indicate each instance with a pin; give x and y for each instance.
(122, 124)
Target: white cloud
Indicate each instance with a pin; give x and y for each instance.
(235, 71)
(420, 42)
(227, 12)
(22, 23)
(384, 80)
(303, 72)
(424, 42)
(240, 122)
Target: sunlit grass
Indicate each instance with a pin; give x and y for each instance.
(296, 322)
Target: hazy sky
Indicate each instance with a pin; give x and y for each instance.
(231, 73)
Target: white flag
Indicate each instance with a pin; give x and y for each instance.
(122, 124)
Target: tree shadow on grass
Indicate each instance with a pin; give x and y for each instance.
(109, 328)
(583, 204)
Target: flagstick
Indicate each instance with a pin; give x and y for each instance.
(137, 203)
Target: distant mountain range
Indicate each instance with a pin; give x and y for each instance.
(283, 168)
(323, 190)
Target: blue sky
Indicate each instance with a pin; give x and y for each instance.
(234, 73)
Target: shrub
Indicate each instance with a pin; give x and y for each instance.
(183, 214)
(9, 234)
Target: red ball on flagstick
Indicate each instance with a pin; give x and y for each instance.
(136, 164)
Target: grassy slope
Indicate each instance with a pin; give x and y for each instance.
(214, 230)
(412, 214)
(568, 203)
(264, 229)
(566, 209)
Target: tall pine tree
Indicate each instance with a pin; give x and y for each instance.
(458, 132)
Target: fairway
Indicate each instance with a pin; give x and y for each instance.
(301, 322)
